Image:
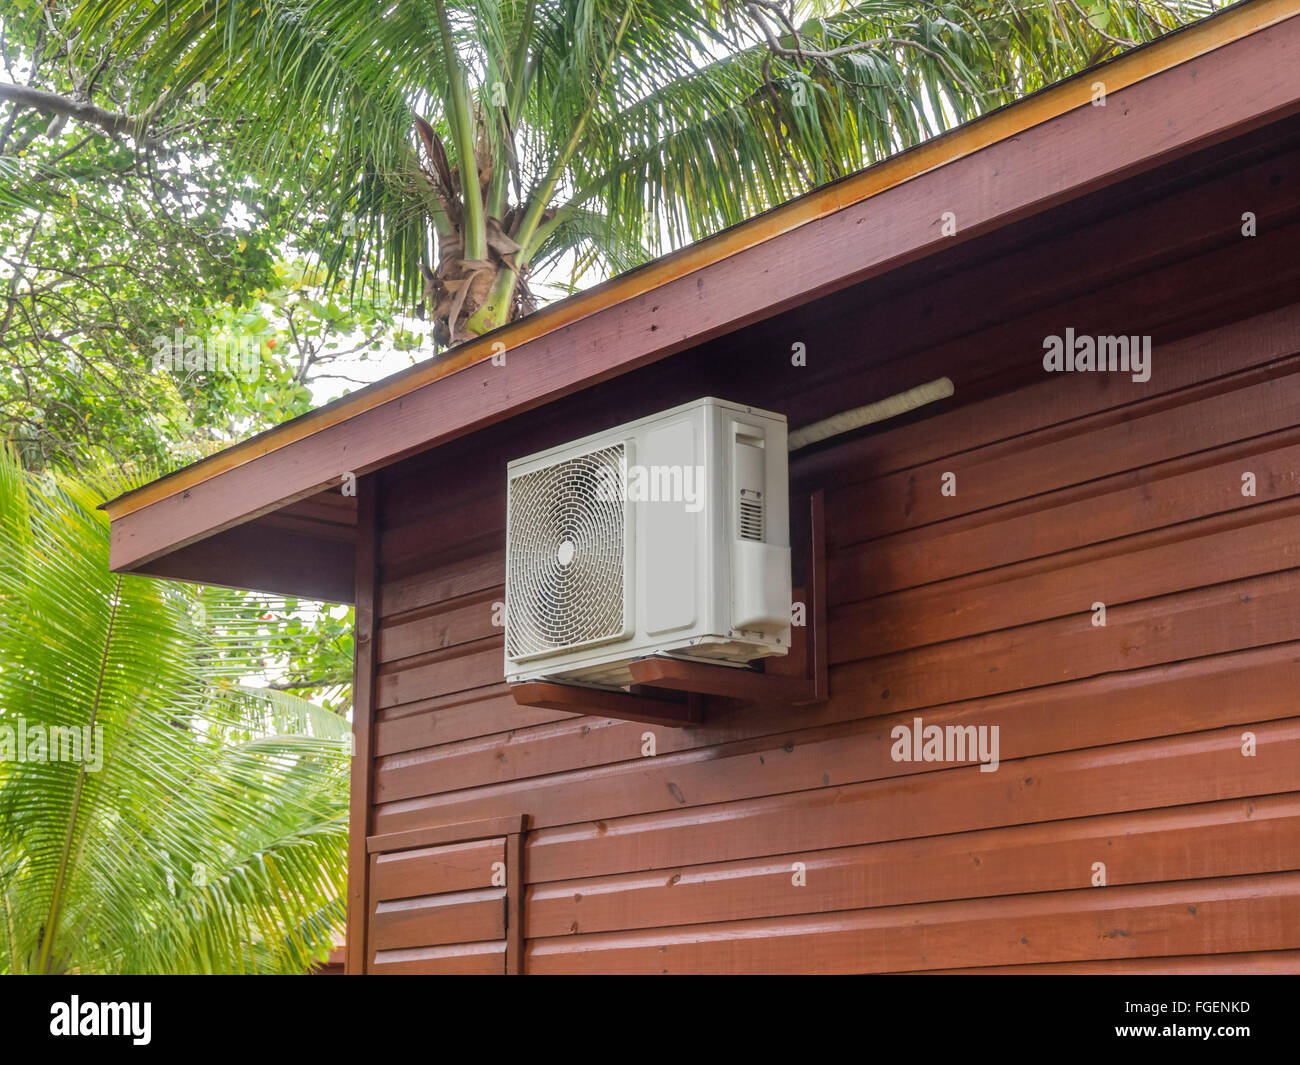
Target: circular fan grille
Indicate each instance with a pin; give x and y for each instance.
(564, 577)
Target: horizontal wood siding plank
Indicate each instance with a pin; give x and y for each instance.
(1190, 917)
(1140, 775)
(450, 718)
(1154, 497)
(1106, 444)
(428, 870)
(1250, 613)
(478, 572)
(435, 920)
(1189, 362)
(1161, 701)
(438, 522)
(1228, 617)
(462, 959)
(1148, 773)
(1226, 548)
(469, 666)
(1250, 963)
(1121, 249)
(437, 628)
(1168, 304)
(1238, 837)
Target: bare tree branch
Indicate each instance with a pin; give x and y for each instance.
(113, 123)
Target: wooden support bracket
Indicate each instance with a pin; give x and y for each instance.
(654, 711)
(726, 682)
(799, 678)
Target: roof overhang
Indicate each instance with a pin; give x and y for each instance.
(1218, 78)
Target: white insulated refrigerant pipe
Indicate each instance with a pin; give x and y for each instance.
(881, 410)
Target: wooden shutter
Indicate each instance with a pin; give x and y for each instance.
(448, 900)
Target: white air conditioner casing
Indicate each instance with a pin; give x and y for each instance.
(666, 536)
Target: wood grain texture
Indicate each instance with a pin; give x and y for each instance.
(435, 920)
(1164, 744)
(1160, 701)
(1251, 963)
(516, 878)
(1120, 744)
(1187, 917)
(452, 867)
(1195, 767)
(1234, 838)
(361, 796)
(437, 835)
(461, 959)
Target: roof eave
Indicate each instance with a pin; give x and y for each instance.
(559, 349)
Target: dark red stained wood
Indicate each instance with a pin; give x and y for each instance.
(457, 669)
(435, 920)
(1215, 551)
(1154, 121)
(441, 626)
(464, 715)
(332, 507)
(1239, 837)
(436, 835)
(722, 681)
(1191, 361)
(427, 870)
(431, 727)
(607, 704)
(1249, 963)
(439, 521)
(1191, 917)
(1209, 621)
(363, 680)
(1102, 252)
(1165, 702)
(527, 751)
(1107, 444)
(267, 558)
(916, 805)
(516, 878)
(1203, 622)
(1245, 277)
(460, 959)
(308, 527)
(1155, 497)
(454, 576)
(818, 638)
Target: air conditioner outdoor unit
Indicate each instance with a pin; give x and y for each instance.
(666, 536)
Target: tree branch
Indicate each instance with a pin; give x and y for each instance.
(50, 103)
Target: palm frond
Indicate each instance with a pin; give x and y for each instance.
(203, 827)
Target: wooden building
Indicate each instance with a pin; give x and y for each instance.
(1145, 812)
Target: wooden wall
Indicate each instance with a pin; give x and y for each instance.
(1120, 744)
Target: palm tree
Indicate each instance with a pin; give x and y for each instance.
(466, 144)
(193, 825)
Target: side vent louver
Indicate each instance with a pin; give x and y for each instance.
(751, 515)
